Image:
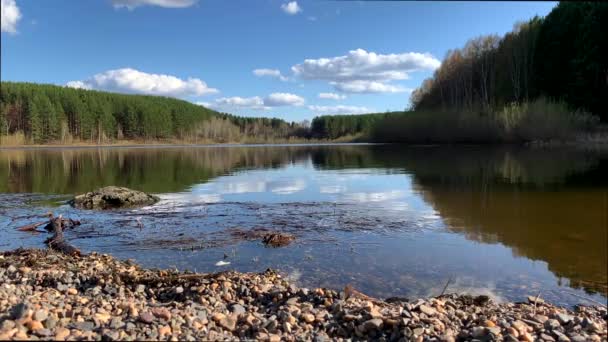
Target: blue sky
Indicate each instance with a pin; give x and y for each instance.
(362, 56)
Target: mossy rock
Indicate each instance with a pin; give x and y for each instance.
(113, 197)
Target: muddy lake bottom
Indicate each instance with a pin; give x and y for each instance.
(390, 221)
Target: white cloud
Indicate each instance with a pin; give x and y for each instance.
(129, 80)
(131, 4)
(283, 99)
(332, 189)
(366, 197)
(364, 86)
(270, 72)
(291, 8)
(255, 102)
(287, 187)
(362, 71)
(10, 15)
(340, 109)
(331, 96)
(312, 18)
(78, 85)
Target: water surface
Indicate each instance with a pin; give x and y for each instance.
(389, 220)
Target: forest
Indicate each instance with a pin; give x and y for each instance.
(40, 113)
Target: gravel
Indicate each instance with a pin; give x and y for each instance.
(108, 299)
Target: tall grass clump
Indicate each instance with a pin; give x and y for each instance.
(540, 120)
(14, 139)
(543, 120)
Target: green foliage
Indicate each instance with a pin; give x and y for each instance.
(336, 126)
(48, 113)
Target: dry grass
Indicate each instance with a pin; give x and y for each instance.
(540, 120)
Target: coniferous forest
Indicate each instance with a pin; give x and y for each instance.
(49, 113)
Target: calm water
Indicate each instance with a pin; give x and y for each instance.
(391, 221)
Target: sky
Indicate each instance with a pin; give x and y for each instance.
(275, 58)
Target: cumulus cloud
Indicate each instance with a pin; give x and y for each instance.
(10, 15)
(363, 71)
(291, 8)
(364, 86)
(340, 109)
(331, 96)
(283, 99)
(78, 85)
(129, 80)
(256, 102)
(269, 72)
(131, 4)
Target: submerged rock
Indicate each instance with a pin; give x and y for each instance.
(111, 197)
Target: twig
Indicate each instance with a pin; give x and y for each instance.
(446, 286)
(535, 301)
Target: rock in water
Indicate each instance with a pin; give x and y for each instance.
(111, 197)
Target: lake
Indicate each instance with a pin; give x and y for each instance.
(389, 220)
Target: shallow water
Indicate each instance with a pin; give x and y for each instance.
(389, 220)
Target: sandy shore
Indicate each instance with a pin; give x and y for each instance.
(46, 295)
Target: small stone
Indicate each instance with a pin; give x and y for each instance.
(546, 337)
(72, 291)
(34, 325)
(427, 310)
(308, 318)
(541, 318)
(146, 317)
(61, 334)
(493, 330)
(85, 326)
(19, 311)
(40, 315)
(179, 290)
(237, 309)
(563, 318)
(526, 337)
(140, 288)
(161, 313)
(418, 331)
(552, 324)
(374, 323)
(478, 332)
(274, 338)
(489, 323)
(164, 330)
(11, 269)
(228, 322)
(7, 325)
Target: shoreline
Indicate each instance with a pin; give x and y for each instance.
(47, 295)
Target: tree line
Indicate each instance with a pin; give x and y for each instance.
(49, 113)
(563, 57)
(546, 79)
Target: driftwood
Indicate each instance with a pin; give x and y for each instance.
(277, 239)
(57, 241)
(31, 227)
(56, 226)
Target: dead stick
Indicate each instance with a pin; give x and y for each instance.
(535, 301)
